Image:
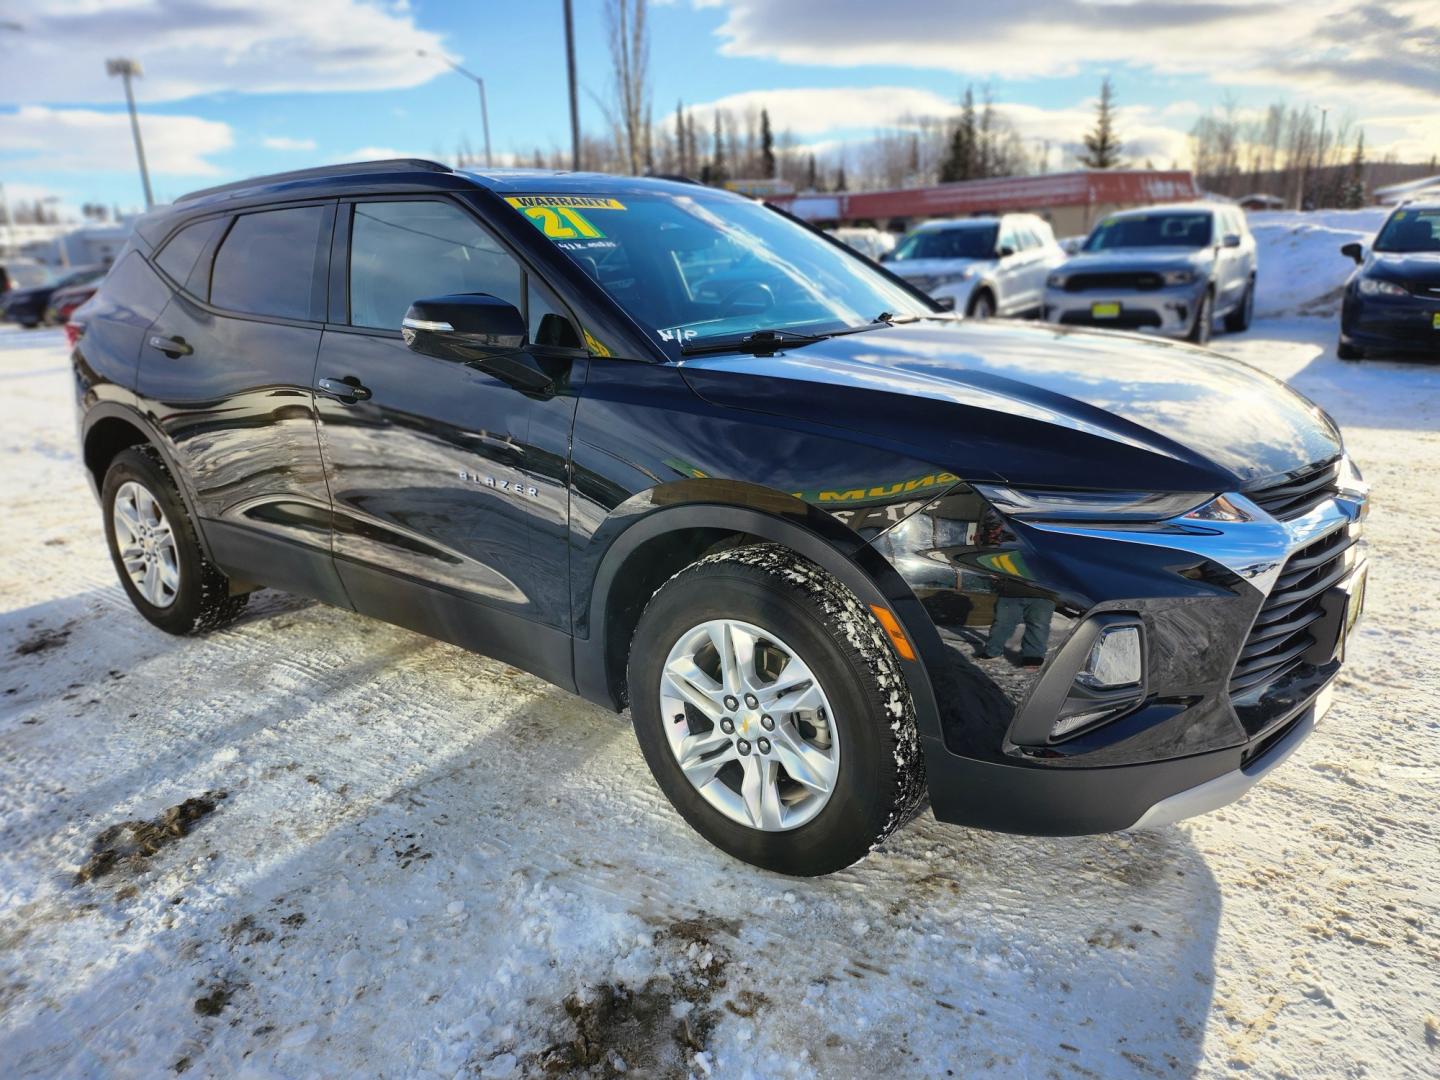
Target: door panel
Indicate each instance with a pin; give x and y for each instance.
(233, 395)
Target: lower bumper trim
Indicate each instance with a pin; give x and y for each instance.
(1227, 788)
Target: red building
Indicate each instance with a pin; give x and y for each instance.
(1069, 201)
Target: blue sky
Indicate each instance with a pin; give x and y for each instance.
(234, 88)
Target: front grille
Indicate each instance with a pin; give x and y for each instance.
(1424, 288)
(1145, 281)
(1126, 320)
(1295, 496)
(1281, 635)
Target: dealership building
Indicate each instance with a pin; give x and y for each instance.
(1071, 201)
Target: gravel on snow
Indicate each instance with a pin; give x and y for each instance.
(427, 864)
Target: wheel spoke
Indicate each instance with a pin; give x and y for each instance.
(693, 686)
(761, 793)
(702, 756)
(736, 647)
(806, 764)
(783, 691)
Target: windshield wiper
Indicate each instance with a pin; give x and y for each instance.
(758, 343)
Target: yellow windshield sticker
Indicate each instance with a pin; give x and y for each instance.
(564, 217)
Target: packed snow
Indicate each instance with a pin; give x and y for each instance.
(1301, 268)
(316, 845)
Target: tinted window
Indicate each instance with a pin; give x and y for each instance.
(960, 242)
(132, 292)
(178, 256)
(1160, 229)
(266, 266)
(1410, 230)
(406, 251)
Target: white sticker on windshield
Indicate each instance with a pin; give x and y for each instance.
(677, 335)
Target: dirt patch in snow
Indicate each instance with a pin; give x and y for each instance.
(653, 1029)
(43, 640)
(130, 843)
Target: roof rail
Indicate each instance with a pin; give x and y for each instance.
(347, 169)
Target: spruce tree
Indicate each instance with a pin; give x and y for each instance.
(767, 145)
(1102, 142)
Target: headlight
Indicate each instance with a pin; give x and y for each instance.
(1056, 281)
(1178, 277)
(1100, 506)
(1380, 287)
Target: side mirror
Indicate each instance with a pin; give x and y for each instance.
(463, 326)
(1231, 240)
(1005, 251)
(1354, 250)
(886, 256)
(482, 331)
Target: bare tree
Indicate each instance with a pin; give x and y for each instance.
(630, 57)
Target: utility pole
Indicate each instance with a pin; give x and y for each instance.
(570, 74)
(127, 70)
(479, 82)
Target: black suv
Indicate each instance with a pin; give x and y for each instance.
(838, 552)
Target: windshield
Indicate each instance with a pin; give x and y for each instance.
(692, 268)
(27, 277)
(1410, 230)
(961, 242)
(1190, 230)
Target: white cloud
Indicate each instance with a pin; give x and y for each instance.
(191, 47)
(86, 140)
(285, 142)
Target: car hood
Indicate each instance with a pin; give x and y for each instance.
(1040, 406)
(1162, 258)
(1422, 267)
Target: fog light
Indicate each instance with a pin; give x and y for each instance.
(1114, 660)
(1066, 724)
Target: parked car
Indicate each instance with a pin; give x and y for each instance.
(64, 302)
(981, 266)
(872, 243)
(27, 306)
(21, 274)
(1168, 270)
(797, 532)
(1392, 300)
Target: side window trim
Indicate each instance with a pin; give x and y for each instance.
(319, 271)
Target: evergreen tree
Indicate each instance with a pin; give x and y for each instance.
(682, 157)
(1102, 142)
(767, 145)
(812, 182)
(840, 178)
(959, 163)
(718, 174)
(1354, 196)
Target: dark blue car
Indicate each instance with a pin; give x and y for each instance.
(1392, 301)
(841, 554)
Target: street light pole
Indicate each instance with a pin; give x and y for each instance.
(127, 70)
(570, 74)
(479, 82)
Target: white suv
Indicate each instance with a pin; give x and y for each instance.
(981, 266)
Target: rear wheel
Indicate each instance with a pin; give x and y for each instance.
(1348, 352)
(772, 712)
(1238, 321)
(156, 551)
(1204, 319)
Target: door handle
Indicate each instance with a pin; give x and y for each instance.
(171, 346)
(347, 390)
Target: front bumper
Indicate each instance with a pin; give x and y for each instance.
(1168, 311)
(1401, 323)
(1195, 735)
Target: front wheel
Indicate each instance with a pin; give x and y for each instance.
(1347, 351)
(1238, 321)
(772, 712)
(982, 307)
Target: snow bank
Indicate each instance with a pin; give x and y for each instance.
(1301, 268)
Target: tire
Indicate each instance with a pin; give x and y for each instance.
(863, 735)
(1238, 321)
(982, 307)
(193, 596)
(1348, 352)
(1204, 319)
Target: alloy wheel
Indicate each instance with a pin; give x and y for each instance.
(146, 543)
(749, 725)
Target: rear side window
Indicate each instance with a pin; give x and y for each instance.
(178, 257)
(266, 265)
(401, 252)
(132, 292)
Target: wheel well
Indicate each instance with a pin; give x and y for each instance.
(647, 568)
(983, 290)
(106, 439)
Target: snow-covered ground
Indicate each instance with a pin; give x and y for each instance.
(1301, 268)
(427, 864)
